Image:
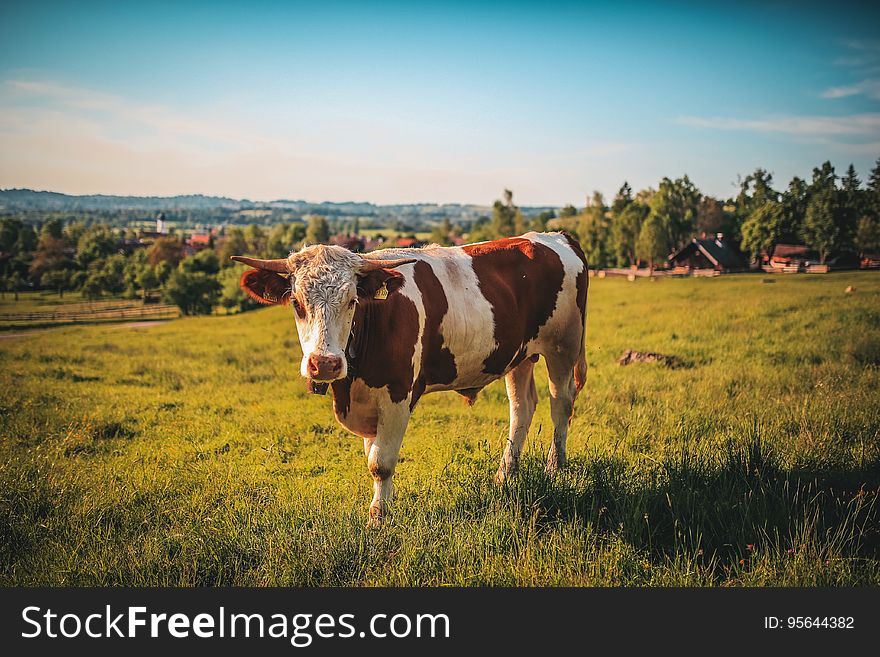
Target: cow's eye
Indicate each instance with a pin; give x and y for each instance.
(297, 306)
(351, 303)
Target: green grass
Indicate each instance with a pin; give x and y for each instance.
(190, 454)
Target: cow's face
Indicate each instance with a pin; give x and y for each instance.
(322, 284)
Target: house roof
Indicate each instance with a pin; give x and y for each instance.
(719, 253)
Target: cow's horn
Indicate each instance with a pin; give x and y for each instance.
(279, 265)
(372, 265)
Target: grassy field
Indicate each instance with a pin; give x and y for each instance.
(189, 453)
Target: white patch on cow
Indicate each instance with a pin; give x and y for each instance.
(324, 278)
(468, 327)
(411, 291)
(561, 328)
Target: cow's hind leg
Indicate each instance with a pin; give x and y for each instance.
(562, 395)
(523, 398)
(382, 453)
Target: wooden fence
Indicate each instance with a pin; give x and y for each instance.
(102, 314)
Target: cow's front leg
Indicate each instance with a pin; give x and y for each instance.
(382, 453)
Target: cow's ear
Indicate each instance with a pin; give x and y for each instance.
(369, 283)
(266, 286)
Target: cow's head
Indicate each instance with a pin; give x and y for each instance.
(323, 284)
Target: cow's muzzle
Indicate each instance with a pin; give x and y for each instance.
(324, 368)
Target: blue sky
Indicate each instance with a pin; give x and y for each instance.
(431, 102)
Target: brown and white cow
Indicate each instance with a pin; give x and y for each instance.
(387, 327)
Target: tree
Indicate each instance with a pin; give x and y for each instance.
(761, 230)
(625, 229)
(255, 237)
(710, 216)
(794, 208)
(51, 257)
(282, 239)
(195, 293)
(205, 261)
(234, 243)
(867, 237)
(165, 249)
(318, 231)
(96, 243)
(540, 221)
(507, 220)
(652, 245)
(674, 211)
(823, 227)
(756, 189)
(592, 231)
(441, 233)
(232, 297)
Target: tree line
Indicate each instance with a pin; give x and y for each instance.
(831, 214)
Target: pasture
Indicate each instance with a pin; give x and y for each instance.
(189, 453)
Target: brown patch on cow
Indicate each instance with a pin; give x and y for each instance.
(266, 286)
(438, 363)
(369, 284)
(384, 335)
(380, 472)
(521, 280)
(355, 407)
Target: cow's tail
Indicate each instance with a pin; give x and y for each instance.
(583, 282)
(580, 366)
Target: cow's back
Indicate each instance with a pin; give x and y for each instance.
(485, 307)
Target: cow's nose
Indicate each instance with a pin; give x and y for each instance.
(324, 368)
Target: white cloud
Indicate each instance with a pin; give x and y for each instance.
(853, 124)
(869, 88)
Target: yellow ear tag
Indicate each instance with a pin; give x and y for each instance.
(382, 292)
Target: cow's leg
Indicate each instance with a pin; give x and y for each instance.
(523, 398)
(382, 453)
(562, 395)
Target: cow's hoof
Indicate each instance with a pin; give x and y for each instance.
(553, 467)
(501, 477)
(377, 518)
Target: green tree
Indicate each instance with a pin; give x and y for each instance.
(195, 293)
(626, 227)
(652, 245)
(711, 219)
(823, 227)
(761, 230)
(592, 231)
(232, 297)
(318, 231)
(674, 212)
(507, 219)
(96, 243)
(282, 239)
(540, 220)
(794, 208)
(205, 261)
(255, 237)
(867, 237)
(441, 233)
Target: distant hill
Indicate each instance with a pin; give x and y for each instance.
(23, 200)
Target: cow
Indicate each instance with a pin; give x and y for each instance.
(387, 327)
